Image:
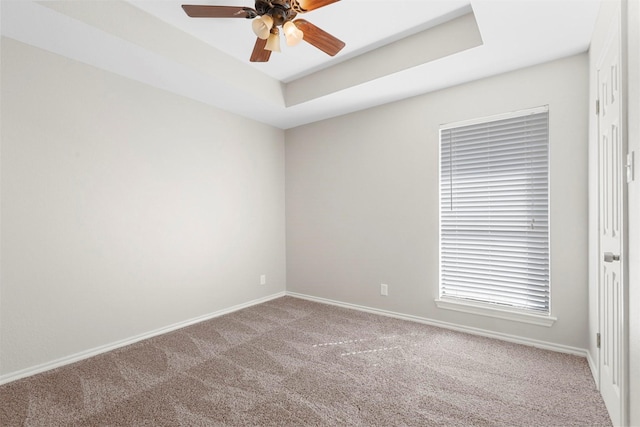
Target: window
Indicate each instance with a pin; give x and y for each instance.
(494, 212)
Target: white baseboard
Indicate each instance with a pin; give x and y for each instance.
(446, 325)
(47, 366)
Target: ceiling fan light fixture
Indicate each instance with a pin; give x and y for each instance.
(267, 19)
(292, 34)
(273, 42)
(262, 26)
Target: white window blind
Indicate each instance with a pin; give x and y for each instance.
(494, 211)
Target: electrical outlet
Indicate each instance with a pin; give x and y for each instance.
(263, 279)
(384, 289)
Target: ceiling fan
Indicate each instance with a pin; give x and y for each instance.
(267, 16)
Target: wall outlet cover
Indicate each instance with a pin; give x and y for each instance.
(384, 289)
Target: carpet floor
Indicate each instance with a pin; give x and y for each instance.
(292, 362)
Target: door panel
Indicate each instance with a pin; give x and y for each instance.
(611, 203)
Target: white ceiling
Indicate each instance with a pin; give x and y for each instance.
(153, 41)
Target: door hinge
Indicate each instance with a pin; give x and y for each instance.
(597, 107)
(598, 340)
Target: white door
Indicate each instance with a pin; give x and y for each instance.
(611, 201)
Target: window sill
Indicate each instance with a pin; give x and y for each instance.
(497, 312)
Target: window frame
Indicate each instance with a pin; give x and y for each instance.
(494, 309)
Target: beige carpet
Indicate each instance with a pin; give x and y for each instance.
(295, 362)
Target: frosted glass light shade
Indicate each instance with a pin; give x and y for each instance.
(292, 34)
(262, 26)
(273, 42)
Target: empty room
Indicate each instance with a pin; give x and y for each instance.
(320, 212)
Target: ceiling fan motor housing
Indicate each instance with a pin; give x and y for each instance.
(280, 10)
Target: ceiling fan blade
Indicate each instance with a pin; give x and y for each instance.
(260, 54)
(319, 38)
(307, 5)
(198, 11)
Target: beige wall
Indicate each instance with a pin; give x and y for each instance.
(125, 209)
(362, 199)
